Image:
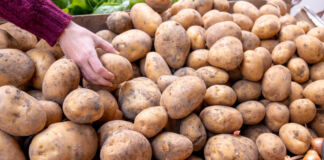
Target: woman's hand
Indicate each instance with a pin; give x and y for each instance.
(79, 44)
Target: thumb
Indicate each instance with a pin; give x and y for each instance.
(106, 46)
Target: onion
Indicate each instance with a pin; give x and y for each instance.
(317, 145)
(237, 133)
(312, 155)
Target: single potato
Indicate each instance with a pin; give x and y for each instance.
(270, 146)
(188, 17)
(318, 123)
(283, 52)
(266, 57)
(246, 8)
(317, 71)
(317, 32)
(296, 91)
(243, 21)
(250, 40)
(212, 75)
(155, 66)
(247, 90)
(119, 22)
(252, 66)
(252, 112)
(281, 4)
(110, 105)
(53, 111)
(269, 9)
(10, 149)
(277, 114)
(290, 32)
(220, 95)
(159, 5)
(198, 58)
(203, 6)
(185, 71)
(309, 48)
(181, 4)
(197, 38)
(221, 5)
(214, 16)
(164, 81)
(302, 111)
(299, 70)
(266, 26)
(287, 20)
(315, 92)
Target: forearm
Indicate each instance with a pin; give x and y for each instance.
(40, 17)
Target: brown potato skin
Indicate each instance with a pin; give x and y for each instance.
(179, 146)
(62, 77)
(7, 41)
(250, 40)
(315, 92)
(304, 25)
(197, 38)
(266, 56)
(53, 111)
(109, 128)
(133, 44)
(164, 81)
(269, 9)
(221, 119)
(296, 91)
(15, 118)
(299, 70)
(277, 114)
(317, 124)
(243, 21)
(106, 34)
(252, 66)
(296, 137)
(145, 18)
(212, 75)
(96, 87)
(270, 146)
(159, 5)
(185, 71)
(134, 143)
(119, 22)
(247, 90)
(188, 17)
(155, 66)
(138, 94)
(226, 53)
(252, 112)
(317, 32)
(198, 58)
(174, 97)
(290, 33)
(220, 95)
(172, 43)
(253, 131)
(57, 140)
(317, 71)
(221, 5)
(269, 44)
(151, 121)
(246, 8)
(309, 48)
(302, 111)
(287, 20)
(16, 67)
(110, 105)
(214, 16)
(181, 4)
(222, 29)
(276, 83)
(10, 149)
(203, 6)
(266, 26)
(193, 128)
(55, 50)
(283, 52)
(281, 4)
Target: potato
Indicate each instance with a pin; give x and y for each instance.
(287, 20)
(198, 58)
(290, 33)
(119, 22)
(25, 39)
(188, 17)
(266, 56)
(132, 142)
(108, 35)
(42, 60)
(221, 5)
(20, 113)
(155, 66)
(315, 92)
(16, 67)
(151, 121)
(62, 77)
(250, 40)
(309, 48)
(317, 32)
(276, 83)
(277, 114)
(109, 128)
(317, 124)
(317, 71)
(299, 69)
(243, 21)
(10, 149)
(296, 92)
(159, 5)
(64, 141)
(302, 111)
(235, 75)
(247, 90)
(266, 26)
(269, 9)
(55, 50)
(133, 44)
(36, 94)
(226, 146)
(252, 112)
(226, 53)
(178, 146)
(185, 71)
(164, 81)
(214, 16)
(7, 41)
(118, 115)
(222, 29)
(96, 87)
(283, 52)
(179, 92)
(181, 4)
(270, 146)
(296, 137)
(203, 6)
(220, 95)
(110, 105)
(166, 15)
(221, 119)
(192, 128)
(253, 131)
(138, 94)
(246, 8)
(252, 66)
(269, 44)
(172, 42)
(212, 75)
(53, 111)
(196, 35)
(304, 25)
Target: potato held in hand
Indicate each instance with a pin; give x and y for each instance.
(175, 96)
(20, 113)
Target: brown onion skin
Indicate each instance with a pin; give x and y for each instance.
(317, 144)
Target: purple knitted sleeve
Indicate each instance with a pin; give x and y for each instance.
(40, 17)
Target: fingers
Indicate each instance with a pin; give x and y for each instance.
(94, 78)
(99, 68)
(104, 45)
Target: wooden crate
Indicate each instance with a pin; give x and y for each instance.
(94, 22)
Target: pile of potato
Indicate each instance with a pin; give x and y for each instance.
(197, 80)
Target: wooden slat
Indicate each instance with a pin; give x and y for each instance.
(94, 23)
